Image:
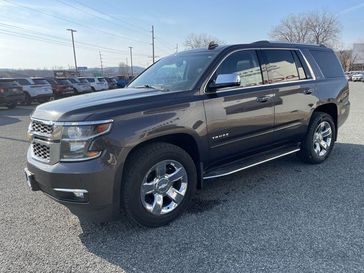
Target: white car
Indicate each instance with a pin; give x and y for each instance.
(358, 77)
(40, 90)
(80, 87)
(97, 84)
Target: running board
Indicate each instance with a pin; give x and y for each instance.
(248, 162)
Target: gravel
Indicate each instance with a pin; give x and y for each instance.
(283, 216)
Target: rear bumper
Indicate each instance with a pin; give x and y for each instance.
(11, 99)
(64, 181)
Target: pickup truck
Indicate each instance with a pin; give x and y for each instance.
(189, 118)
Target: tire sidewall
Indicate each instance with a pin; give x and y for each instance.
(133, 186)
(317, 120)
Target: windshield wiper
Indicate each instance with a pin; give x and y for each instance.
(146, 86)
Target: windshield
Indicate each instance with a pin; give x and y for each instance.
(40, 81)
(65, 82)
(73, 80)
(8, 84)
(83, 80)
(175, 73)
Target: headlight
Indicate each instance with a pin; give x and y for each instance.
(76, 141)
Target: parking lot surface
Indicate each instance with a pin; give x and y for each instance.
(283, 216)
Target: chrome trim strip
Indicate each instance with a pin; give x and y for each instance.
(204, 86)
(252, 165)
(71, 123)
(71, 190)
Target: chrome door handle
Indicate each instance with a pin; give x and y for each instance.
(262, 99)
(308, 91)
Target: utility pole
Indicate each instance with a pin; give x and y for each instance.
(176, 48)
(131, 60)
(73, 45)
(101, 65)
(153, 38)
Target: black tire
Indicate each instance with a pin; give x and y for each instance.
(11, 105)
(137, 167)
(307, 152)
(75, 92)
(27, 99)
(93, 89)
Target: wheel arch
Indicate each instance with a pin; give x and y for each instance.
(183, 140)
(330, 109)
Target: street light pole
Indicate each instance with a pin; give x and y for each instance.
(73, 45)
(131, 60)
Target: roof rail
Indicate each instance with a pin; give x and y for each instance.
(262, 42)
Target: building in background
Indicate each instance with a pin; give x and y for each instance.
(358, 56)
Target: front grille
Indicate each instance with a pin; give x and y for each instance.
(41, 128)
(41, 151)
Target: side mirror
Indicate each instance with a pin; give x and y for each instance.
(225, 80)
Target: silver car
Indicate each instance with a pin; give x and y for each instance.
(80, 87)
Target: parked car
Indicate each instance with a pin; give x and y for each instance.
(112, 83)
(122, 81)
(11, 93)
(41, 92)
(348, 76)
(80, 87)
(189, 118)
(59, 89)
(97, 84)
(358, 77)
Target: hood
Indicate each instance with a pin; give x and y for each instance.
(96, 105)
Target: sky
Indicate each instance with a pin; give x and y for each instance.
(33, 33)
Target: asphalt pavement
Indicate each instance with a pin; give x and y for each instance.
(282, 216)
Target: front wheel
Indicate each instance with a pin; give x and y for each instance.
(11, 105)
(320, 139)
(159, 181)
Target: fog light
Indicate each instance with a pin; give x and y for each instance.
(79, 195)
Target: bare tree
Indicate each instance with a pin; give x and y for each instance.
(292, 29)
(194, 40)
(314, 27)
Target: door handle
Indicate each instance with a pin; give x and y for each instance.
(308, 91)
(262, 99)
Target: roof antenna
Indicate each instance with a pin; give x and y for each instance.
(212, 45)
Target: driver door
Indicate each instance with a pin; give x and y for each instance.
(239, 118)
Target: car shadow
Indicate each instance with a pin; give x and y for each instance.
(10, 116)
(245, 221)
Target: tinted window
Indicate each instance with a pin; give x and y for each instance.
(281, 66)
(83, 80)
(65, 82)
(40, 81)
(328, 63)
(91, 79)
(300, 69)
(72, 80)
(8, 84)
(245, 63)
(23, 82)
(101, 79)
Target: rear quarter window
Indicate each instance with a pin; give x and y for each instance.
(328, 63)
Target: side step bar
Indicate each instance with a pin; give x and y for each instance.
(248, 162)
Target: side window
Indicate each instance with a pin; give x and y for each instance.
(281, 66)
(300, 69)
(328, 63)
(245, 63)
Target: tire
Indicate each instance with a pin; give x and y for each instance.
(93, 89)
(27, 99)
(140, 207)
(11, 105)
(321, 133)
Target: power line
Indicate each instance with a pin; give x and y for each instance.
(73, 22)
(63, 41)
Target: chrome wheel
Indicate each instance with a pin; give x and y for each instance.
(322, 138)
(164, 187)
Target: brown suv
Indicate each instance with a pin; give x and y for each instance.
(191, 117)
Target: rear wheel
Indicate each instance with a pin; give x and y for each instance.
(159, 181)
(27, 99)
(320, 139)
(93, 89)
(11, 105)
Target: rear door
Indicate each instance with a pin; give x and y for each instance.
(292, 83)
(239, 118)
